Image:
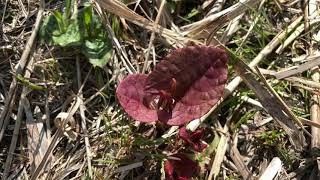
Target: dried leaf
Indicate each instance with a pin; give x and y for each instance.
(68, 129)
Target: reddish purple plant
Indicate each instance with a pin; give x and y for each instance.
(193, 139)
(180, 167)
(182, 87)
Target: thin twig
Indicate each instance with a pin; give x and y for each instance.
(278, 98)
(83, 120)
(122, 54)
(156, 22)
(17, 124)
(221, 150)
(311, 12)
(226, 14)
(271, 104)
(6, 113)
(255, 21)
(298, 69)
(238, 161)
(294, 35)
(217, 7)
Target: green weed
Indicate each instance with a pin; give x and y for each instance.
(78, 29)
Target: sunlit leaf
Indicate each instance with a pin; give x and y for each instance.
(71, 37)
(98, 52)
(184, 86)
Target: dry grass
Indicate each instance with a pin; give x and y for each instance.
(60, 118)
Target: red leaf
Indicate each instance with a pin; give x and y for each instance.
(180, 167)
(130, 95)
(193, 139)
(182, 87)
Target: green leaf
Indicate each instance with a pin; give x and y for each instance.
(98, 51)
(116, 25)
(193, 13)
(48, 26)
(172, 6)
(87, 18)
(71, 37)
(60, 21)
(84, 29)
(29, 84)
(67, 10)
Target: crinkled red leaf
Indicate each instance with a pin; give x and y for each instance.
(188, 82)
(180, 168)
(193, 138)
(200, 73)
(130, 95)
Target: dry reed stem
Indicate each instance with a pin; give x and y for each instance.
(238, 161)
(311, 12)
(47, 117)
(119, 9)
(165, 19)
(220, 151)
(309, 83)
(271, 104)
(217, 7)
(72, 110)
(298, 69)
(259, 105)
(13, 143)
(121, 53)
(83, 119)
(224, 16)
(294, 35)
(286, 109)
(255, 21)
(6, 113)
(232, 27)
(272, 170)
(156, 22)
(304, 58)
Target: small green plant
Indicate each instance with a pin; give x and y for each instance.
(243, 120)
(78, 28)
(275, 139)
(272, 137)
